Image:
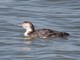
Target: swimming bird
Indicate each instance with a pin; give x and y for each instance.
(41, 33)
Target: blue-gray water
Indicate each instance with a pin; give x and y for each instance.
(60, 15)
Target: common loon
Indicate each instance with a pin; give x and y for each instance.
(41, 33)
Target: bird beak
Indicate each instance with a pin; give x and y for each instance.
(20, 24)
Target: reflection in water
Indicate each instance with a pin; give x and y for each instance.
(26, 48)
(27, 42)
(24, 56)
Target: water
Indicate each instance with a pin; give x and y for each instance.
(60, 15)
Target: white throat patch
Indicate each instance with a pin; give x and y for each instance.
(27, 31)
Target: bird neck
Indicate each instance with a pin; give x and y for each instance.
(28, 31)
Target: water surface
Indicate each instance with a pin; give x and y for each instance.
(60, 15)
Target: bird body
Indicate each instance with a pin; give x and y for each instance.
(41, 33)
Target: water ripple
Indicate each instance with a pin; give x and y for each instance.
(60, 15)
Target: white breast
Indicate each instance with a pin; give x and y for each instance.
(27, 32)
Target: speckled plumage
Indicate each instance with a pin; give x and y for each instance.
(47, 33)
(41, 33)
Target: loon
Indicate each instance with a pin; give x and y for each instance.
(41, 33)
